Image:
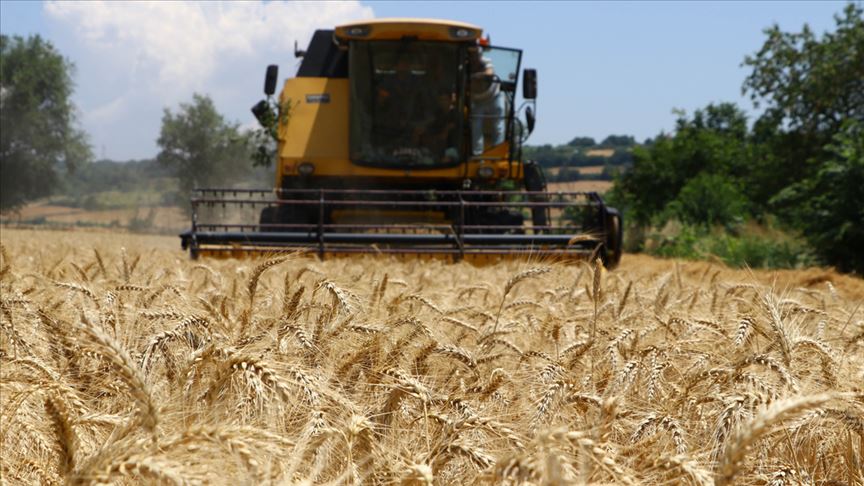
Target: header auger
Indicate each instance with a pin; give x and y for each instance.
(403, 136)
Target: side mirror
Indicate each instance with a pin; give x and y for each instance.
(529, 84)
(270, 79)
(262, 113)
(530, 120)
(297, 52)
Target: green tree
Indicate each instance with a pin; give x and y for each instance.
(621, 157)
(201, 147)
(618, 141)
(264, 140)
(709, 199)
(802, 160)
(582, 142)
(829, 207)
(812, 89)
(713, 141)
(809, 86)
(37, 120)
(547, 155)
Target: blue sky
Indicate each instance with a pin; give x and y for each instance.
(604, 67)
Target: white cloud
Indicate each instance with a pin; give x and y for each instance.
(135, 58)
(108, 112)
(184, 43)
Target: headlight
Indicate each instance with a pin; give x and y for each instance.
(306, 169)
(485, 172)
(358, 31)
(461, 32)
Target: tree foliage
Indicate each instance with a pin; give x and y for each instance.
(264, 140)
(618, 141)
(37, 120)
(575, 153)
(709, 199)
(809, 86)
(201, 147)
(713, 141)
(582, 142)
(829, 207)
(802, 159)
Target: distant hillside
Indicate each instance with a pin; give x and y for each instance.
(138, 195)
(583, 158)
(108, 184)
(600, 152)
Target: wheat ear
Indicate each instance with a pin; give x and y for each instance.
(736, 449)
(519, 277)
(112, 351)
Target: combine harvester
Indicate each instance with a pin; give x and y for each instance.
(403, 136)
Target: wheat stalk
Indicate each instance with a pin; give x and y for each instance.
(252, 286)
(729, 464)
(511, 283)
(123, 364)
(173, 371)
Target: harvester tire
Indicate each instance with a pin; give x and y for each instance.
(614, 238)
(268, 216)
(535, 181)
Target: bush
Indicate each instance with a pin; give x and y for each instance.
(91, 203)
(39, 220)
(757, 248)
(709, 199)
(142, 224)
(683, 243)
(759, 251)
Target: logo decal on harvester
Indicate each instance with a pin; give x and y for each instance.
(318, 98)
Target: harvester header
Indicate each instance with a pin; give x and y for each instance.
(403, 136)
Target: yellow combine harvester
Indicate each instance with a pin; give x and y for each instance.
(404, 136)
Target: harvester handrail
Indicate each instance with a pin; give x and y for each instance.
(377, 226)
(569, 234)
(360, 202)
(399, 192)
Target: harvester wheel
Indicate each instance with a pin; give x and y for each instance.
(268, 216)
(614, 239)
(535, 181)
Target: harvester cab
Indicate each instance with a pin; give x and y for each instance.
(403, 136)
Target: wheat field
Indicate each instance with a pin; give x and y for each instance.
(124, 362)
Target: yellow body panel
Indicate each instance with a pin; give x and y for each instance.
(317, 132)
(345, 168)
(422, 29)
(315, 129)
